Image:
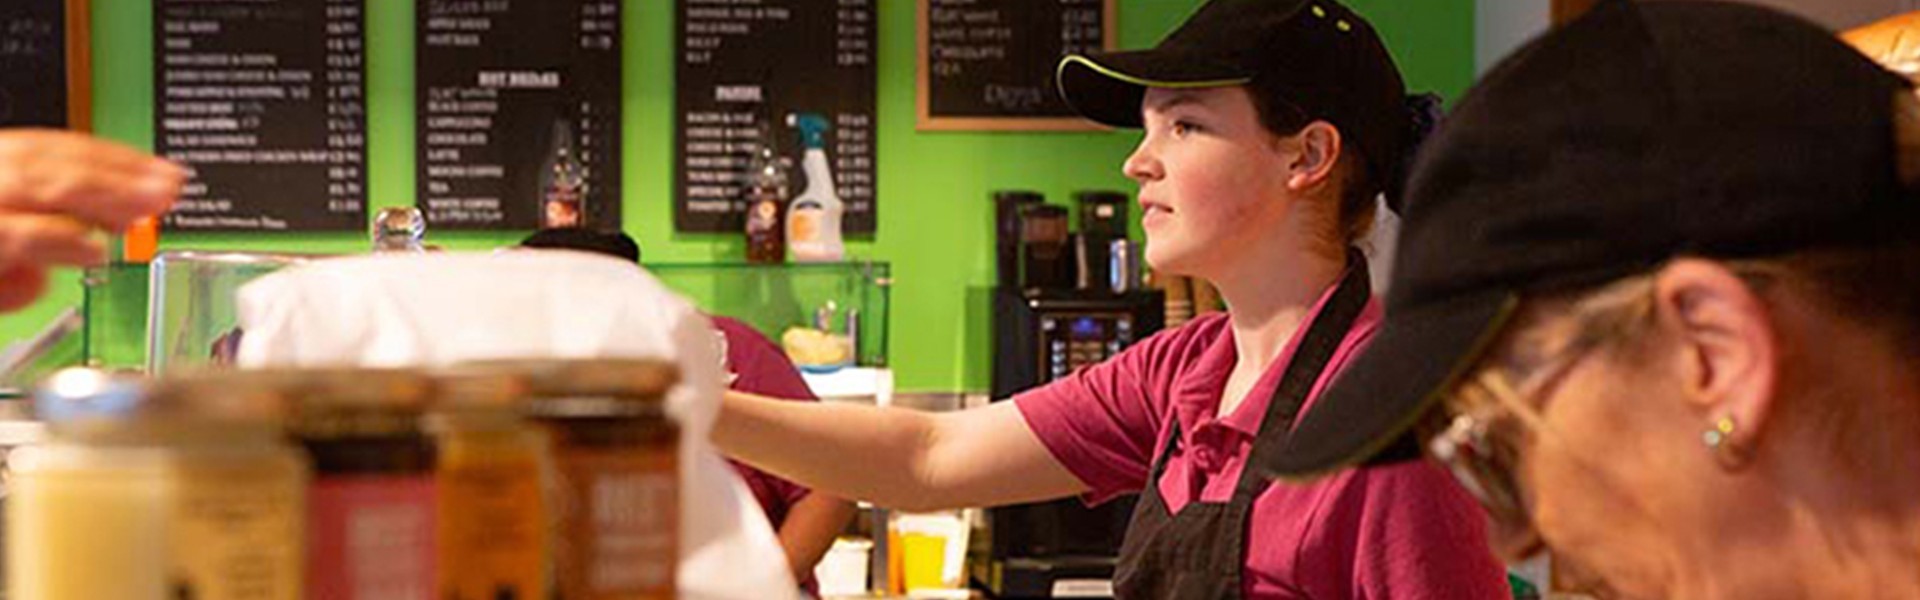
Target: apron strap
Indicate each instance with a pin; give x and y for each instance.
(1309, 361)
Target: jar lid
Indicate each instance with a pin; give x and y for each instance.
(84, 394)
(359, 402)
(478, 387)
(81, 393)
(591, 388)
(363, 390)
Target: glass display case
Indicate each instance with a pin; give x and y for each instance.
(174, 313)
(796, 303)
(191, 295)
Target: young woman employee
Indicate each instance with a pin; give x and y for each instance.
(1270, 127)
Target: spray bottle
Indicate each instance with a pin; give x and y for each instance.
(813, 218)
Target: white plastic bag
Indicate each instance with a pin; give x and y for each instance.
(430, 310)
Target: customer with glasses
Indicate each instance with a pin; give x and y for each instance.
(1657, 306)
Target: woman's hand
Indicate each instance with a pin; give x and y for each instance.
(58, 188)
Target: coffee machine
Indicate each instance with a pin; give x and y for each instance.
(1064, 301)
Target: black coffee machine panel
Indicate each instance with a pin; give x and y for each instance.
(1073, 341)
(1064, 302)
(1042, 337)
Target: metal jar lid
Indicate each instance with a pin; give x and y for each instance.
(82, 394)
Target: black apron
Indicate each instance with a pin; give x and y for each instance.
(1198, 554)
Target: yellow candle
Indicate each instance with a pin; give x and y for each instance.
(208, 522)
(178, 489)
(74, 516)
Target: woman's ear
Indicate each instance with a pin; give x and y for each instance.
(1728, 352)
(1320, 146)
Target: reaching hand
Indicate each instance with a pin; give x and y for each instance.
(58, 188)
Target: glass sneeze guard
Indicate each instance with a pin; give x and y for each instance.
(774, 298)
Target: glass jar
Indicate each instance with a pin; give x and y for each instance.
(372, 507)
(182, 488)
(616, 455)
(493, 472)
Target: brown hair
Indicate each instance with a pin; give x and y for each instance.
(1353, 218)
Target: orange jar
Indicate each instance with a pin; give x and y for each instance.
(617, 494)
(494, 471)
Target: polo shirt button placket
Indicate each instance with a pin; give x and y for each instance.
(1207, 458)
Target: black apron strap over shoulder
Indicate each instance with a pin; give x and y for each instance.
(1309, 361)
(1199, 553)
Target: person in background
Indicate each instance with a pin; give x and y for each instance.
(57, 191)
(1271, 127)
(806, 521)
(1658, 310)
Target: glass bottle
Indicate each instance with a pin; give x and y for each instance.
(766, 191)
(564, 193)
(399, 229)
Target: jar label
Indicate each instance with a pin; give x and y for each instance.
(621, 514)
(66, 529)
(372, 538)
(493, 522)
(237, 534)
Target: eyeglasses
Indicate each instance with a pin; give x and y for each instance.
(1480, 445)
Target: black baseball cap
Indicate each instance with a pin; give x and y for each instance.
(612, 243)
(1317, 55)
(1633, 135)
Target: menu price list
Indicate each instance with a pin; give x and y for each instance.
(266, 104)
(32, 54)
(519, 113)
(989, 58)
(744, 67)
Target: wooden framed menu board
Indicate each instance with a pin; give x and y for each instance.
(518, 112)
(45, 41)
(989, 64)
(743, 73)
(266, 102)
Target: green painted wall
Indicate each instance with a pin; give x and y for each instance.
(935, 216)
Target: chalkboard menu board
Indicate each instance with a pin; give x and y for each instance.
(266, 102)
(989, 64)
(742, 69)
(36, 89)
(519, 113)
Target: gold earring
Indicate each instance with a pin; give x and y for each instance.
(1717, 435)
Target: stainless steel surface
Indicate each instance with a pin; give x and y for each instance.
(1123, 267)
(853, 334)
